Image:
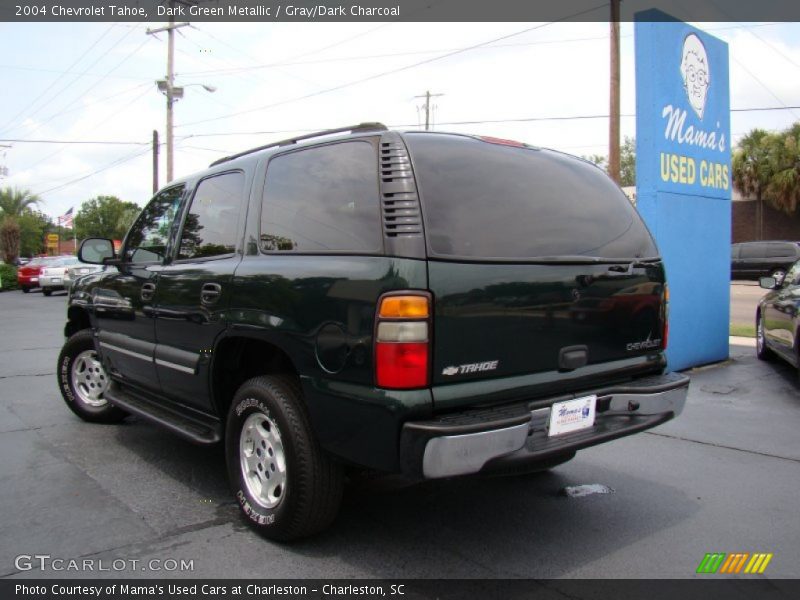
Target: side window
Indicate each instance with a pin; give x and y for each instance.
(735, 251)
(211, 227)
(323, 200)
(781, 251)
(148, 238)
(752, 251)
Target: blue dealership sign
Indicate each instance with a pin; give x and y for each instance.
(683, 177)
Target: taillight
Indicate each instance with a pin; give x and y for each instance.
(402, 341)
(665, 309)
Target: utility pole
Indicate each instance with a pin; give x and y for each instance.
(3, 168)
(155, 161)
(167, 86)
(613, 121)
(428, 97)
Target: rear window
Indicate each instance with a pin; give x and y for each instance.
(487, 200)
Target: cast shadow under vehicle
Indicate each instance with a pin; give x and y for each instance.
(521, 525)
(500, 526)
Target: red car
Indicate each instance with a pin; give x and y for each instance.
(28, 275)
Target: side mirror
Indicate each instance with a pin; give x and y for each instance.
(96, 251)
(768, 283)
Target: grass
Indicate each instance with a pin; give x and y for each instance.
(741, 330)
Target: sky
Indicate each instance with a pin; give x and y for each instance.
(95, 82)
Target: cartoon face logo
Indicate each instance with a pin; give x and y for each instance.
(695, 72)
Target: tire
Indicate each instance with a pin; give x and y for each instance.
(26, 289)
(47, 291)
(779, 275)
(82, 380)
(762, 352)
(287, 488)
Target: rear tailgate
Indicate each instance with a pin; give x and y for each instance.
(538, 263)
(505, 320)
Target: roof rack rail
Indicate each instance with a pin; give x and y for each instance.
(287, 142)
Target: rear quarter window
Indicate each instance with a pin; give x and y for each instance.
(323, 199)
(487, 200)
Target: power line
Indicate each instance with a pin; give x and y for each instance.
(30, 105)
(81, 94)
(109, 142)
(471, 122)
(392, 71)
(295, 62)
(303, 130)
(100, 170)
(112, 115)
(770, 46)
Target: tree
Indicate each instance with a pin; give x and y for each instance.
(627, 162)
(13, 203)
(752, 171)
(105, 216)
(33, 226)
(767, 166)
(783, 189)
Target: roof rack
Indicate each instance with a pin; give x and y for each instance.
(361, 127)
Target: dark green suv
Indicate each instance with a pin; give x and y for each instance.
(420, 303)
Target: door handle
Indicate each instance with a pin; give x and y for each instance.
(210, 293)
(148, 289)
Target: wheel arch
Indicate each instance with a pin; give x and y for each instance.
(239, 357)
(77, 319)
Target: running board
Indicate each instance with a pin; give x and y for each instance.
(194, 430)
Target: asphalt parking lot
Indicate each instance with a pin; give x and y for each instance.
(723, 477)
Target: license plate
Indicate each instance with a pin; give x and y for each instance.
(56, 279)
(572, 415)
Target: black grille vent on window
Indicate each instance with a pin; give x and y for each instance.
(401, 213)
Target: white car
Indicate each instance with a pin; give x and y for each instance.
(79, 270)
(53, 276)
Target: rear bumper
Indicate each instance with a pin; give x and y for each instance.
(52, 282)
(487, 439)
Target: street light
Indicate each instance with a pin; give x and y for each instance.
(173, 93)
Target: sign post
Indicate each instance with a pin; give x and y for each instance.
(683, 178)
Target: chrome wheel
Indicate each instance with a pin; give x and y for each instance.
(263, 460)
(89, 380)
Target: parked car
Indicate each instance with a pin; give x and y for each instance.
(78, 270)
(777, 321)
(28, 275)
(752, 260)
(54, 277)
(371, 299)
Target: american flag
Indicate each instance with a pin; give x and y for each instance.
(65, 220)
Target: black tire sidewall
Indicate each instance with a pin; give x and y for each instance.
(249, 400)
(80, 342)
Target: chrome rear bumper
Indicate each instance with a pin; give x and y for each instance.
(495, 439)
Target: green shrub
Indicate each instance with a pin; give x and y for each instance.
(8, 277)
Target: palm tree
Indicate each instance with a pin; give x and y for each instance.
(752, 170)
(13, 202)
(783, 191)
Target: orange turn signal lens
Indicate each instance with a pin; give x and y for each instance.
(404, 307)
